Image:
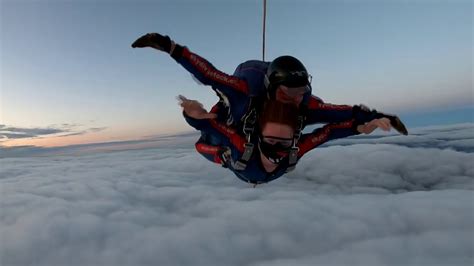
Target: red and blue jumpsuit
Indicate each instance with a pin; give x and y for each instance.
(254, 172)
(235, 92)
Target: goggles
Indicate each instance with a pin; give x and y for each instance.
(284, 143)
(295, 91)
(275, 148)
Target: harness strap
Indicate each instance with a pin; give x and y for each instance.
(293, 156)
(241, 164)
(292, 159)
(249, 121)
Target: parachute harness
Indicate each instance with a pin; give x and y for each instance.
(293, 156)
(250, 118)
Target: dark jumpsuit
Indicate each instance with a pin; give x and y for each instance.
(235, 92)
(255, 172)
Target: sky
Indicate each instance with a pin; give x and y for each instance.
(405, 201)
(69, 76)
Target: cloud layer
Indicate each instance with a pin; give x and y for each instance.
(64, 130)
(357, 204)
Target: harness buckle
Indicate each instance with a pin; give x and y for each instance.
(249, 122)
(239, 166)
(248, 151)
(292, 159)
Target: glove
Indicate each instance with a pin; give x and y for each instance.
(397, 124)
(155, 40)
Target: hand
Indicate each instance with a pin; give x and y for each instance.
(155, 40)
(395, 122)
(194, 108)
(382, 123)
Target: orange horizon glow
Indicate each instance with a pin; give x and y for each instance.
(58, 141)
(89, 138)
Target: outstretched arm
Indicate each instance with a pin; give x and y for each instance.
(321, 112)
(325, 134)
(339, 130)
(204, 71)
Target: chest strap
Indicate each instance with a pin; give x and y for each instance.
(293, 156)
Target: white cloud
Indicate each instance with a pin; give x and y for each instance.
(360, 204)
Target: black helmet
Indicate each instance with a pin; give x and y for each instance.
(286, 70)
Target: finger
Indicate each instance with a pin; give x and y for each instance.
(383, 125)
(194, 104)
(368, 128)
(184, 103)
(365, 130)
(374, 124)
(387, 124)
(187, 105)
(181, 98)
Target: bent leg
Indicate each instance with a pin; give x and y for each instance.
(207, 147)
(211, 146)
